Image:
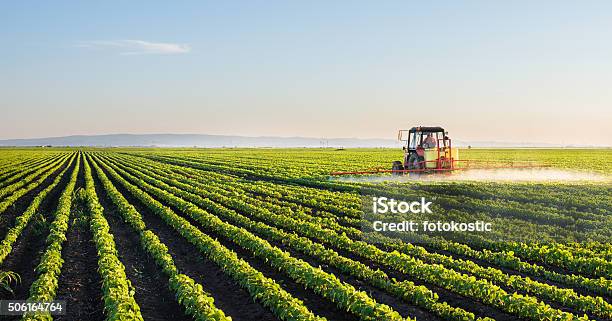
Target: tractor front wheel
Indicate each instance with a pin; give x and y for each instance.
(415, 162)
(397, 166)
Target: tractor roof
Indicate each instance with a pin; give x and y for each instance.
(426, 129)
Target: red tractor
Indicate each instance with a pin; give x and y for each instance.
(425, 149)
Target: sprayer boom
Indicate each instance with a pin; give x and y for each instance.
(460, 165)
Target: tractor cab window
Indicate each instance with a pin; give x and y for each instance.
(413, 142)
(430, 140)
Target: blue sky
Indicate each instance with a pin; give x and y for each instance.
(513, 71)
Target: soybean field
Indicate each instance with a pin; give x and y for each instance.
(268, 234)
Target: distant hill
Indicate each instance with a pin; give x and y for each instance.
(199, 140)
(196, 140)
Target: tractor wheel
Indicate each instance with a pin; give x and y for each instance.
(415, 161)
(397, 166)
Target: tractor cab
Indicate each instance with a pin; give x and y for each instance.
(425, 149)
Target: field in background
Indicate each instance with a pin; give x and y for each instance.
(183, 234)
